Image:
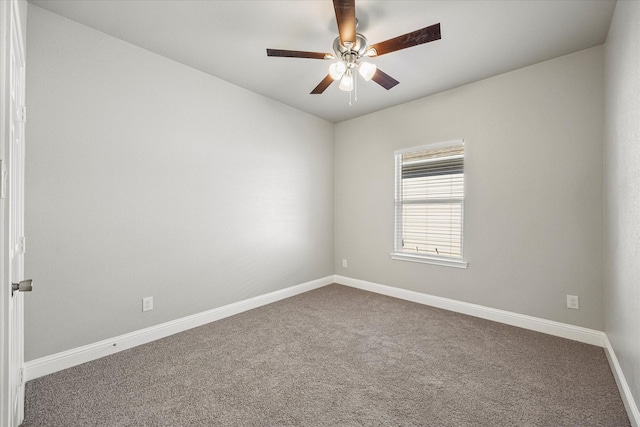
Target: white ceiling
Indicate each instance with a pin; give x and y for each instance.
(228, 39)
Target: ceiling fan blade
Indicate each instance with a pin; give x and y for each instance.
(324, 84)
(298, 54)
(346, 19)
(404, 41)
(384, 79)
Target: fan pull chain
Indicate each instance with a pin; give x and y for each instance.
(355, 84)
(355, 89)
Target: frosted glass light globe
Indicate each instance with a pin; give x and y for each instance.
(337, 69)
(346, 84)
(367, 70)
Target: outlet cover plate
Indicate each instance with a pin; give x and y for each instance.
(147, 304)
(573, 302)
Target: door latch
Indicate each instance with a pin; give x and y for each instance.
(23, 286)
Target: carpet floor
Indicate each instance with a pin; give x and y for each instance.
(338, 356)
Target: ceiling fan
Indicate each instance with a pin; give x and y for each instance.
(350, 47)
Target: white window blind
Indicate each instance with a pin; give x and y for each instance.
(430, 201)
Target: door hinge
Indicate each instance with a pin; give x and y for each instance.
(3, 180)
(22, 246)
(21, 376)
(23, 114)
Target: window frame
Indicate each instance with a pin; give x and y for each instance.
(398, 253)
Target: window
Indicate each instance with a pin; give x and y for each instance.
(429, 204)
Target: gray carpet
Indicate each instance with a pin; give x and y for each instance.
(338, 356)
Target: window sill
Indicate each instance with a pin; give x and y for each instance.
(400, 256)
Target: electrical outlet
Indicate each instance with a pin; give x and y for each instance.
(344, 263)
(573, 302)
(147, 304)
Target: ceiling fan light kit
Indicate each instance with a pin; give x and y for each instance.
(350, 47)
(349, 56)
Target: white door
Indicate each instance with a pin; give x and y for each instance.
(13, 217)
(16, 221)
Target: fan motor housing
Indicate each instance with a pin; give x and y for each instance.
(359, 48)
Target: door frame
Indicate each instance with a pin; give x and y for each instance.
(10, 22)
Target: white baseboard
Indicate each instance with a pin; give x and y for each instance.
(67, 359)
(623, 386)
(576, 333)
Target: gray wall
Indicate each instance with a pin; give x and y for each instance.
(622, 197)
(533, 210)
(148, 178)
